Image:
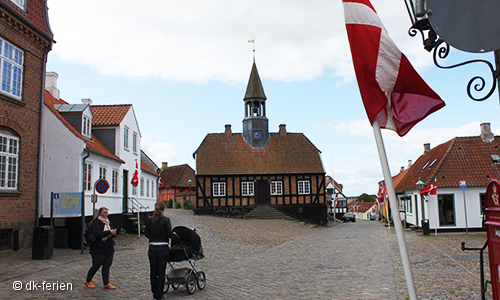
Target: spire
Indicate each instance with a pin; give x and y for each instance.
(254, 88)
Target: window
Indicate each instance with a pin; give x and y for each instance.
(87, 174)
(134, 142)
(114, 182)
(142, 186)
(247, 188)
(482, 199)
(19, 3)
(147, 187)
(125, 137)
(153, 194)
(11, 61)
(102, 172)
(86, 127)
(276, 188)
(9, 156)
(134, 190)
(304, 187)
(219, 189)
(446, 209)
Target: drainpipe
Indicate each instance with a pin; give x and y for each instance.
(83, 199)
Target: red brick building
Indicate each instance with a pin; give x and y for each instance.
(175, 183)
(25, 40)
(256, 167)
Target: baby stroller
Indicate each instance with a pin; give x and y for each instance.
(185, 248)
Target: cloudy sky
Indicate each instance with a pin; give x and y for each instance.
(184, 65)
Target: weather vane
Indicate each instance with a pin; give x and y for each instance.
(253, 42)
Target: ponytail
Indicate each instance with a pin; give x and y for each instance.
(159, 209)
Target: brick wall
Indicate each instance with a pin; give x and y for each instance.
(18, 208)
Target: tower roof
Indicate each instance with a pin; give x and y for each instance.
(254, 88)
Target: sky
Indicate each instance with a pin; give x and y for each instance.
(185, 65)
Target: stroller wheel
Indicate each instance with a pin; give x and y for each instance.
(175, 286)
(190, 284)
(165, 287)
(201, 280)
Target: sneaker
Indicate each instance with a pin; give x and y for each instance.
(108, 286)
(88, 285)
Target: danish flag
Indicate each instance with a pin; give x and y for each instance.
(390, 87)
(135, 177)
(430, 189)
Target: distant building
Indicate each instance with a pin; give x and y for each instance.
(473, 161)
(256, 167)
(176, 183)
(25, 41)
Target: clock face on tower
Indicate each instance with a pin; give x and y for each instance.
(257, 134)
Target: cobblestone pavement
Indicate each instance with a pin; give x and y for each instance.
(271, 259)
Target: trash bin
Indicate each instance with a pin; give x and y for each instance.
(425, 227)
(43, 242)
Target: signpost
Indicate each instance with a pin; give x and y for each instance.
(463, 187)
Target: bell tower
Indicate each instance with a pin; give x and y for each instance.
(255, 123)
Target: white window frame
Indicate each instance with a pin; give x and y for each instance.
(114, 181)
(142, 186)
(19, 3)
(102, 172)
(134, 142)
(276, 188)
(134, 190)
(304, 187)
(11, 64)
(87, 173)
(247, 188)
(147, 187)
(219, 189)
(125, 137)
(86, 126)
(9, 162)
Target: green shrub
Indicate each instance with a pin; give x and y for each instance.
(169, 203)
(186, 204)
(177, 205)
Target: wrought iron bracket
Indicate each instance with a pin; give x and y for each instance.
(441, 49)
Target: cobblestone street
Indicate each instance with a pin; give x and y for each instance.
(271, 259)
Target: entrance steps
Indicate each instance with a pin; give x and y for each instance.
(268, 213)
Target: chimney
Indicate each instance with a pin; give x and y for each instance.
(51, 84)
(402, 169)
(486, 134)
(427, 147)
(87, 101)
(164, 165)
(228, 129)
(282, 129)
(409, 163)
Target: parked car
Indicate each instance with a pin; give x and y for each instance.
(349, 216)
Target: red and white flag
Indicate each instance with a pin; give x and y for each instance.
(135, 177)
(430, 189)
(390, 88)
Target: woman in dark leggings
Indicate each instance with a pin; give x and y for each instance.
(159, 232)
(102, 250)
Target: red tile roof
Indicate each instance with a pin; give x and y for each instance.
(109, 115)
(177, 176)
(146, 168)
(462, 158)
(229, 154)
(36, 14)
(362, 207)
(93, 144)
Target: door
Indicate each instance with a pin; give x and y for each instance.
(262, 192)
(125, 191)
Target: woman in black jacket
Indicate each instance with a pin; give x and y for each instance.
(159, 232)
(102, 250)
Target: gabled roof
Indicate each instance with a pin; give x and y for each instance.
(229, 154)
(362, 207)
(460, 159)
(177, 176)
(146, 168)
(109, 115)
(93, 145)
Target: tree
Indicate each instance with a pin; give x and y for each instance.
(365, 198)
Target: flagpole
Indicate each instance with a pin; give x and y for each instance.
(412, 293)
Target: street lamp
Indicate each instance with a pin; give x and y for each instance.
(189, 195)
(425, 222)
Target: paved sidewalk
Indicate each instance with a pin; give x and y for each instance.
(273, 259)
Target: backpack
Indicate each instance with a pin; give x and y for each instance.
(89, 235)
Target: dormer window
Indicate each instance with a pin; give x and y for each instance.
(19, 3)
(86, 127)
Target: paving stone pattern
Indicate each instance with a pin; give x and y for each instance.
(269, 259)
